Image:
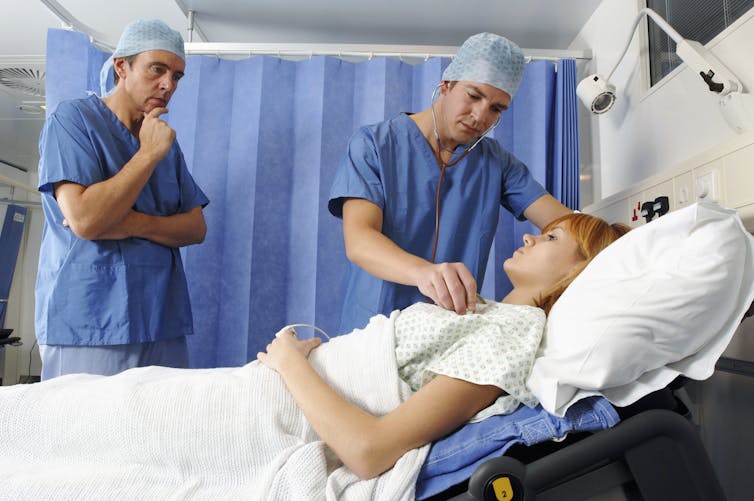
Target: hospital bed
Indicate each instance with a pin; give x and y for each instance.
(655, 453)
(652, 452)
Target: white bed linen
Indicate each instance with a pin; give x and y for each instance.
(232, 433)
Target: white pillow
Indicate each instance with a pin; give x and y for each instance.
(663, 300)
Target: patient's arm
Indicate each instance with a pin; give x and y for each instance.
(367, 444)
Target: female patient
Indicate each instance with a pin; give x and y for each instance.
(433, 350)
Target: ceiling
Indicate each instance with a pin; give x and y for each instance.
(533, 24)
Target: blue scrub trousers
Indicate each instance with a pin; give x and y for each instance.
(60, 360)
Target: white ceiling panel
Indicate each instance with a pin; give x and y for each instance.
(537, 24)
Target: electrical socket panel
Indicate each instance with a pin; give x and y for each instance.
(634, 210)
(650, 207)
(723, 174)
(683, 191)
(708, 185)
(664, 189)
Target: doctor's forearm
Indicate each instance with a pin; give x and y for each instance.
(177, 230)
(381, 257)
(544, 210)
(92, 210)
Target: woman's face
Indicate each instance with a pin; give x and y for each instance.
(544, 259)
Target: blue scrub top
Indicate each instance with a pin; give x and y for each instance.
(107, 292)
(392, 165)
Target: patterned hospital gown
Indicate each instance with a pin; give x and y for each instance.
(494, 346)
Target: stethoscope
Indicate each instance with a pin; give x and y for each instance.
(444, 165)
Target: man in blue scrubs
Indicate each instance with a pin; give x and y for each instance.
(119, 201)
(386, 190)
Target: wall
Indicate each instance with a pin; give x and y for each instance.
(723, 173)
(672, 140)
(20, 316)
(647, 131)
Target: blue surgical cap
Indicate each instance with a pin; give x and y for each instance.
(490, 59)
(140, 36)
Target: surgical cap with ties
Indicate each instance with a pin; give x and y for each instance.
(490, 59)
(140, 36)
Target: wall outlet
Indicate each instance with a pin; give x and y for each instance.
(683, 189)
(708, 186)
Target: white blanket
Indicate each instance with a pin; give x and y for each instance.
(169, 434)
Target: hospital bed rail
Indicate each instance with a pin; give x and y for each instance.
(654, 454)
(657, 455)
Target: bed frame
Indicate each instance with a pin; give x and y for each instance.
(653, 454)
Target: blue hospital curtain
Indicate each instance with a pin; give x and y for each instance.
(263, 137)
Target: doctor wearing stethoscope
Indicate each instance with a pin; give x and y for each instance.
(419, 194)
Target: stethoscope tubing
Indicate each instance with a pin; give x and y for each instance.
(444, 165)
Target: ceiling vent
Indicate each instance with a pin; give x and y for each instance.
(29, 81)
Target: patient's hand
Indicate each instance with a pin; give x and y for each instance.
(286, 349)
